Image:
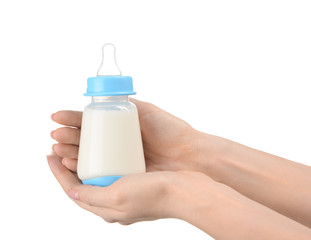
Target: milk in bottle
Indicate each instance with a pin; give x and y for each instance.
(110, 142)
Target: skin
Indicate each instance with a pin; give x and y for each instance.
(182, 166)
(280, 184)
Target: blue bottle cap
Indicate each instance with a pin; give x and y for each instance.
(109, 86)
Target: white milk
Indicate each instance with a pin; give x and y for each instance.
(110, 143)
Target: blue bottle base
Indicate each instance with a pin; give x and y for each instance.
(101, 181)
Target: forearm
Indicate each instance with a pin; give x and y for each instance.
(225, 214)
(280, 184)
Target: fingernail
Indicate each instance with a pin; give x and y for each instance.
(52, 116)
(52, 134)
(73, 194)
(53, 147)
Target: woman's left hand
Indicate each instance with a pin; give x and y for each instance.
(133, 198)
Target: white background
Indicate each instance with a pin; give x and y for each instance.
(237, 69)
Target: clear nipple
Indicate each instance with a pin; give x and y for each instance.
(109, 66)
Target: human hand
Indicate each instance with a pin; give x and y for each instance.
(187, 195)
(133, 198)
(169, 142)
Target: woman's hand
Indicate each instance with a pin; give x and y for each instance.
(133, 198)
(191, 196)
(139, 197)
(169, 142)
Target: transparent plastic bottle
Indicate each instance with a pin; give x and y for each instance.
(110, 142)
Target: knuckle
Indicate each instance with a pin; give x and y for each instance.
(117, 198)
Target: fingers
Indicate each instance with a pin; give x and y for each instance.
(111, 197)
(87, 194)
(91, 195)
(70, 163)
(66, 150)
(67, 179)
(111, 203)
(95, 199)
(68, 118)
(66, 135)
(107, 214)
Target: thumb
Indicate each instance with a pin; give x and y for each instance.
(143, 107)
(90, 195)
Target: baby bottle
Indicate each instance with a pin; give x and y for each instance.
(110, 142)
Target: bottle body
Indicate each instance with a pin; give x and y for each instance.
(110, 142)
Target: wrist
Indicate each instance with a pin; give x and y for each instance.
(201, 201)
(209, 151)
(188, 194)
(224, 213)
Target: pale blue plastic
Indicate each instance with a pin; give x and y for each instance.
(109, 86)
(101, 181)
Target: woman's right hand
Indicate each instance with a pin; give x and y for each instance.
(169, 142)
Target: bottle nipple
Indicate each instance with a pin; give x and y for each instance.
(109, 66)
